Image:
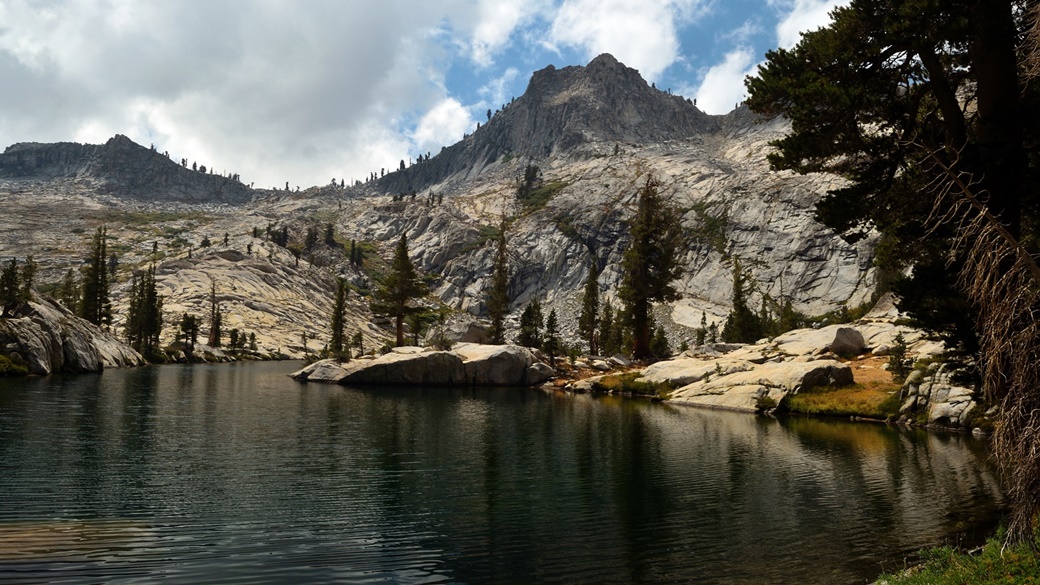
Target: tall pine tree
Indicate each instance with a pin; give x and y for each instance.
(650, 264)
(498, 296)
(336, 344)
(588, 319)
(96, 306)
(400, 288)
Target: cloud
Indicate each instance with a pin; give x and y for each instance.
(640, 33)
(802, 16)
(497, 19)
(723, 84)
(443, 124)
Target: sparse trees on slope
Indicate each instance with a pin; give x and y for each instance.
(401, 286)
(650, 264)
(498, 296)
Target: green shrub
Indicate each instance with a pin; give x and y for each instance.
(9, 367)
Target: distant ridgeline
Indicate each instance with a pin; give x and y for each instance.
(124, 169)
(562, 109)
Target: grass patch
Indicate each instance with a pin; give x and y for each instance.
(10, 368)
(628, 383)
(537, 198)
(855, 400)
(875, 394)
(487, 233)
(989, 566)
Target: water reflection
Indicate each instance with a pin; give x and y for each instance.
(235, 473)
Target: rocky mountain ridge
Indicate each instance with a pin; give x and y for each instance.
(595, 132)
(122, 168)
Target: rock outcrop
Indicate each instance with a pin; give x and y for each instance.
(467, 365)
(50, 339)
(121, 168)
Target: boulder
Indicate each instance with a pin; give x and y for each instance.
(742, 390)
(684, 371)
(468, 364)
(847, 342)
(51, 339)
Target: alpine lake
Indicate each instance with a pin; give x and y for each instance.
(235, 473)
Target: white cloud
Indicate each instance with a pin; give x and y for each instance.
(723, 84)
(497, 19)
(443, 124)
(803, 16)
(640, 33)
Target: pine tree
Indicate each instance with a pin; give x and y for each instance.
(552, 344)
(588, 319)
(401, 286)
(742, 324)
(143, 324)
(498, 296)
(215, 318)
(28, 280)
(650, 264)
(606, 325)
(190, 331)
(96, 306)
(9, 288)
(701, 333)
(68, 291)
(338, 316)
(531, 326)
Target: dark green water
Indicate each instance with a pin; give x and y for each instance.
(234, 473)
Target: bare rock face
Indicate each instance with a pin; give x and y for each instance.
(51, 339)
(563, 109)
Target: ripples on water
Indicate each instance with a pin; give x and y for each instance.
(236, 474)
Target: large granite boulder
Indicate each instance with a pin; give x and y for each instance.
(49, 338)
(746, 389)
(468, 364)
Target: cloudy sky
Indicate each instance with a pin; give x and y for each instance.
(310, 90)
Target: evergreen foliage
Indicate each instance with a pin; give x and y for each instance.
(498, 297)
(9, 289)
(650, 264)
(96, 306)
(552, 344)
(401, 286)
(659, 345)
(28, 280)
(606, 326)
(588, 318)
(337, 324)
(531, 326)
(215, 317)
(742, 324)
(68, 290)
(189, 332)
(144, 317)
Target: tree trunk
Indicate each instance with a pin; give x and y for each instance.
(400, 329)
(641, 329)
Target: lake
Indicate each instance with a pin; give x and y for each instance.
(236, 474)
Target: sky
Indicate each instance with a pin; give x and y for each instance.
(307, 91)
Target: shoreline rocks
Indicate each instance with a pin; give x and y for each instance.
(468, 364)
(48, 338)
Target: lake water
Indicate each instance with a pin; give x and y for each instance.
(237, 474)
